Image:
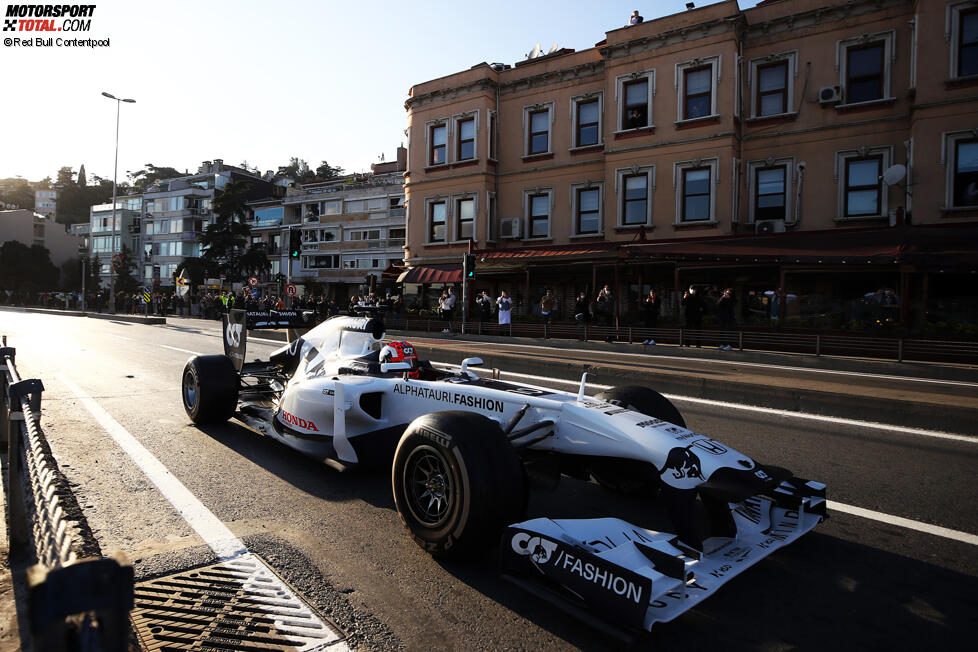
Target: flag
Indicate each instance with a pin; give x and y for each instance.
(183, 284)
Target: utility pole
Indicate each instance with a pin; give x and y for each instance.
(115, 225)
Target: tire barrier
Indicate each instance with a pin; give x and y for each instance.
(77, 599)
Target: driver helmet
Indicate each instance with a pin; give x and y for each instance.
(400, 351)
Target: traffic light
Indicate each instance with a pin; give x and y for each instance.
(295, 243)
(468, 266)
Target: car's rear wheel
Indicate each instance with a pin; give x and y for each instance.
(457, 482)
(210, 389)
(631, 476)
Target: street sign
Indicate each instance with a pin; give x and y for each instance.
(290, 289)
(254, 293)
(146, 297)
(252, 281)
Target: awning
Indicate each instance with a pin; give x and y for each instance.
(393, 272)
(450, 273)
(553, 252)
(918, 245)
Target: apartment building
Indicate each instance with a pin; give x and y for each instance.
(717, 147)
(46, 203)
(31, 228)
(178, 210)
(352, 230)
(109, 230)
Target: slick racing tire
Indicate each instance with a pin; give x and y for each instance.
(631, 476)
(457, 482)
(210, 389)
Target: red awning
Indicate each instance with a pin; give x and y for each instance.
(554, 251)
(450, 273)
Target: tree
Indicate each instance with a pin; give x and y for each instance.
(297, 169)
(125, 282)
(143, 179)
(93, 283)
(255, 260)
(26, 268)
(225, 242)
(17, 192)
(82, 179)
(326, 171)
(71, 274)
(195, 271)
(66, 176)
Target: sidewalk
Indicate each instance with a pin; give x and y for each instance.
(930, 396)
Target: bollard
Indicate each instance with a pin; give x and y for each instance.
(900, 350)
(818, 345)
(740, 340)
(680, 337)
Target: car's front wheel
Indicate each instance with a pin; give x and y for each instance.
(210, 389)
(630, 476)
(457, 482)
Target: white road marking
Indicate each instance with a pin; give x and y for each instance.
(711, 361)
(173, 348)
(936, 530)
(771, 411)
(210, 528)
(121, 337)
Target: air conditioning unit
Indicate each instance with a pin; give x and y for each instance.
(510, 227)
(829, 95)
(769, 226)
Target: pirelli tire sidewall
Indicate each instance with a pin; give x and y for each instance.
(209, 389)
(486, 477)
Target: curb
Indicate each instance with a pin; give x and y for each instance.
(905, 413)
(138, 319)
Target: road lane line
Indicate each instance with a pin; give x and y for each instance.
(772, 411)
(927, 528)
(173, 348)
(210, 528)
(711, 361)
(121, 337)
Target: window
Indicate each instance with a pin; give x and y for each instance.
(465, 219)
(437, 216)
(863, 186)
(538, 214)
(961, 159)
(635, 114)
(539, 139)
(697, 92)
(369, 234)
(321, 262)
(587, 209)
(466, 139)
(396, 232)
(967, 49)
(332, 207)
(696, 194)
(438, 144)
(864, 73)
(355, 206)
(635, 199)
(492, 135)
(588, 114)
(769, 193)
(772, 89)
(536, 128)
(769, 189)
(272, 216)
(377, 204)
(864, 64)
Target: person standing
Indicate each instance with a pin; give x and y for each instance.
(582, 313)
(695, 308)
(725, 318)
(485, 307)
(651, 306)
(447, 306)
(547, 306)
(605, 308)
(505, 306)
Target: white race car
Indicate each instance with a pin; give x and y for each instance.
(461, 448)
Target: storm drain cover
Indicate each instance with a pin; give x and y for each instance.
(233, 605)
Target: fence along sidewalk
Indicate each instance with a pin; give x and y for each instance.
(76, 598)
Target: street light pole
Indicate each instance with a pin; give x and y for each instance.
(115, 171)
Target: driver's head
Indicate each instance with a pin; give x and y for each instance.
(401, 351)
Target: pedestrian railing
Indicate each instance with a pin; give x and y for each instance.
(891, 348)
(75, 601)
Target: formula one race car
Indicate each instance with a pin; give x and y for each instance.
(463, 447)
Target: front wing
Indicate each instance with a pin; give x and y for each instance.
(637, 577)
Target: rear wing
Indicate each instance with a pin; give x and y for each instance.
(260, 319)
(235, 336)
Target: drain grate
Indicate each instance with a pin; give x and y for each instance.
(233, 605)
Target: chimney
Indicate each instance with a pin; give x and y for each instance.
(218, 165)
(401, 158)
(205, 168)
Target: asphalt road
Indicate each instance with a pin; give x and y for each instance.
(855, 583)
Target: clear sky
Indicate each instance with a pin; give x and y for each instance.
(263, 81)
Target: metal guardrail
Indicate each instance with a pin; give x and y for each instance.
(74, 602)
(887, 348)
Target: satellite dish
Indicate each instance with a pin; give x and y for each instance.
(553, 48)
(535, 52)
(894, 174)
